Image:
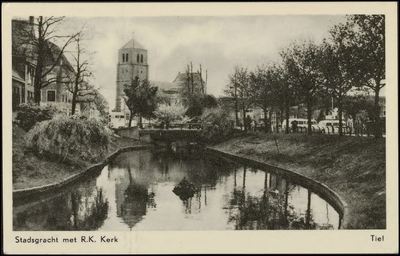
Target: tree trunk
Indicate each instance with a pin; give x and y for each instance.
(236, 108)
(309, 115)
(130, 119)
(277, 120)
(340, 113)
(75, 92)
(270, 121)
(376, 124)
(287, 117)
(244, 117)
(74, 96)
(265, 120)
(39, 63)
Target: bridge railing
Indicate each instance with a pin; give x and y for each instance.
(174, 126)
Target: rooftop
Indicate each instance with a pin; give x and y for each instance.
(133, 44)
(165, 86)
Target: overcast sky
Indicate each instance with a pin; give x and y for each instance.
(217, 43)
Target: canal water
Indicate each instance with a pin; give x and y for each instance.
(135, 192)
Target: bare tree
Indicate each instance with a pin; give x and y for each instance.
(40, 37)
(77, 78)
(192, 85)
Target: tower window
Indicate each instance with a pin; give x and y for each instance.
(123, 57)
(137, 58)
(126, 57)
(141, 58)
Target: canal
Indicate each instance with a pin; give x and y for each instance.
(135, 192)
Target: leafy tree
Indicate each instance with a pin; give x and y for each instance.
(140, 99)
(239, 88)
(217, 124)
(353, 105)
(261, 84)
(170, 113)
(302, 61)
(335, 72)
(364, 37)
(283, 90)
(198, 105)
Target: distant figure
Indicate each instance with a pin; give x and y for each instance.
(255, 124)
(248, 123)
(252, 127)
(294, 126)
(350, 124)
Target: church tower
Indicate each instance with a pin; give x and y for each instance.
(132, 63)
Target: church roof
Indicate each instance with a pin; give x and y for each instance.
(133, 44)
(165, 86)
(181, 77)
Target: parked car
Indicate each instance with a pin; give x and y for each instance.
(332, 125)
(302, 123)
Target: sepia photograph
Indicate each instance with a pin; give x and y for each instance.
(134, 128)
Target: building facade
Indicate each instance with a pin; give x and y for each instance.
(56, 92)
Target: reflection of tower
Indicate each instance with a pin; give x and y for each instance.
(131, 198)
(132, 62)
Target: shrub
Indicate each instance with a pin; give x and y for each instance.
(217, 124)
(28, 115)
(63, 137)
(170, 113)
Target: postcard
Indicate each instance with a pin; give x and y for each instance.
(185, 128)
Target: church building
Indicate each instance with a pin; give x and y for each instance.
(132, 62)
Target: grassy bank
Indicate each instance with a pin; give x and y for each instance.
(353, 167)
(31, 171)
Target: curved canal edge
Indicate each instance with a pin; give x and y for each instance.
(317, 187)
(27, 193)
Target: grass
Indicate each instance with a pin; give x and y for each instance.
(29, 170)
(354, 167)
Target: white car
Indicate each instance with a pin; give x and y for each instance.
(302, 123)
(332, 125)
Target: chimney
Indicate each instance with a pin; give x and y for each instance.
(31, 20)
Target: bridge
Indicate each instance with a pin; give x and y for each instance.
(179, 136)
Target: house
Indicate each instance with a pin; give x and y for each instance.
(24, 61)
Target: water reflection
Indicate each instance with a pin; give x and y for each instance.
(134, 192)
(83, 208)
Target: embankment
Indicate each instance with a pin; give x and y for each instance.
(353, 167)
(32, 172)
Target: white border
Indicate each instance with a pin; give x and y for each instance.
(349, 241)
